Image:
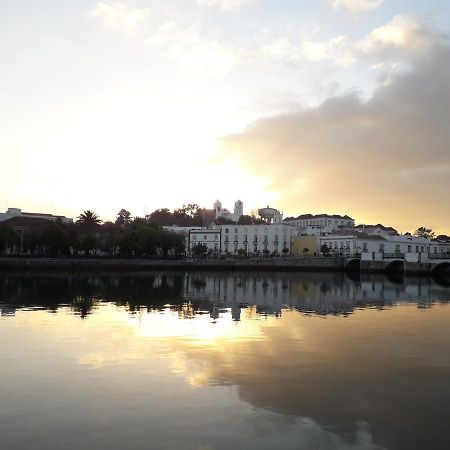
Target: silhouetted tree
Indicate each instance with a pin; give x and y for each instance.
(161, 217)
(8, 238)
(123, 217)
(245, 220)
(427, 233)
(88, 217)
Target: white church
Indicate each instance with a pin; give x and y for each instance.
(226, 214)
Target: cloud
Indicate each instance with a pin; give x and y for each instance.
(181, 39)
(356, 6)
(384, 159)
(121, 15)
(400, 37)
(227, 5)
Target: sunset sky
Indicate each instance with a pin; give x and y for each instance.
(337, 106)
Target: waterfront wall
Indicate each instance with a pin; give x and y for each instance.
(292, 264)
(313, 264)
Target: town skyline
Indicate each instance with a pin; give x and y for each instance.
(111, 218)
(335, 106)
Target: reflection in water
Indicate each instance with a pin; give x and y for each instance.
(215, 360)
(195, 293)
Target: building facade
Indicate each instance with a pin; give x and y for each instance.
(351, 242)
(208, 237)
(255, 240)
(258, 239)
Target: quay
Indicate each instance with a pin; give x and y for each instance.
(414, 264)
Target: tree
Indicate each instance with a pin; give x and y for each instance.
(161, 217)
(306, 250)
(224, 221)
(245, 220)
(123, 217)
(89, 242)
(324, 249)
(88, 217)
(256, 220)
(423, 232)
(8, 237)
(55, 238)
(199, 249)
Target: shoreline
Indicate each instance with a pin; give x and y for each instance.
(126, 264)
(288, 264)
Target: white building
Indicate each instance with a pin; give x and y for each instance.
(258, 239)
(249, 239)
(17, 212)
(320, 224)
(208, 237)
(226, 214)
(350, 242)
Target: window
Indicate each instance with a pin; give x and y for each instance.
(409, 248)
(216, 237)
(397, 248)
(205, 237)
(194, 237)
(226, 230)
(417, 249)
(236, 230)
(365, 247)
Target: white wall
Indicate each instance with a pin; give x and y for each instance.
(257, 238)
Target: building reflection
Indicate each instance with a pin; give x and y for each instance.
(313, 293)
(217, 293)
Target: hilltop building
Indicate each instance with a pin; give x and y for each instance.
(320, 224)
(221, 212)
(270, 215)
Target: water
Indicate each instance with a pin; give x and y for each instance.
(218, 361)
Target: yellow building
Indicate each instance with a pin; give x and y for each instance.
(306, 245)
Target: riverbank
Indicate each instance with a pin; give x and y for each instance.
(293, 264)
(106, 264)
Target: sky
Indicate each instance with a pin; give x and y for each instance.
(335, 106)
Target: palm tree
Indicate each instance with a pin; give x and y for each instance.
(88, 217)
(123, 217)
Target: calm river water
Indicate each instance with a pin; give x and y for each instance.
(223, 361)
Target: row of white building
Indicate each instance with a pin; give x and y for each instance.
(309, 234)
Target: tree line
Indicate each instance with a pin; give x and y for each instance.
(90, 236)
